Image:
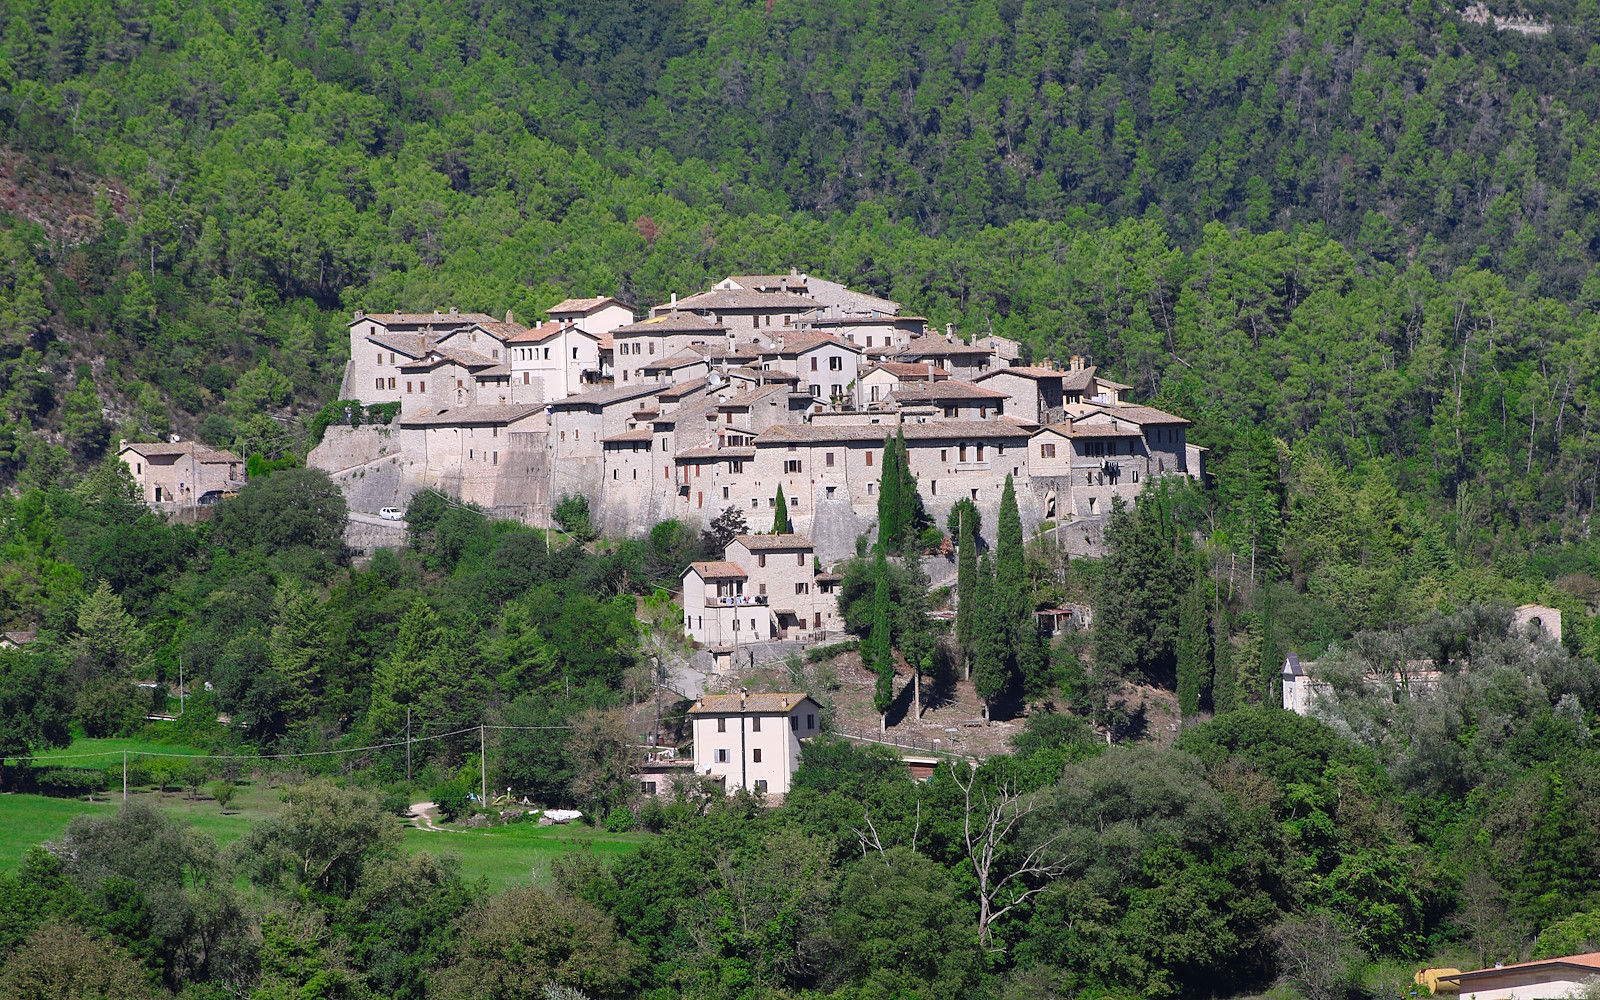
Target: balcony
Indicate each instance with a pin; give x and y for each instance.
(738, 601)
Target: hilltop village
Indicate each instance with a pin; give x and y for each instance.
(721, 398)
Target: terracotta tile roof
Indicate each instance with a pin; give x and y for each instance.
(413, 345)
(706, 451)
(1589, 961)
(462, 416)
(675, 393)
(1106, 383)
(501, 331)
(1078, 381)
(757, 281)
(778, 702)
(718, 299)
(437, 356)
(773, 543)
(607, 342)
(1025, 371)
(800, 343)
(582, 307)
(946, 389)
(680, 360)
(160, 449)
(907, 370)
(933, 430)
(1079, 429)
(634, 436)
(441, 319)
(606, 397)
(932, 347)
(538, 334)
(718, 570)
(1141, 414)
(672, 322)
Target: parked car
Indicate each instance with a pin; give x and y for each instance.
(392, 514)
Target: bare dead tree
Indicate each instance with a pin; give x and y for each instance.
(993, 816)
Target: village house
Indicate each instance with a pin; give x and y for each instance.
(662, 336)
(1544, 979)
(380, 343)
(445, 377)
(878, 380)
(783, 569)
(1035, 393)
(952, 399)
(752, 741)
(18, 638)
(948, 353)
(180, 472)
(741, 310)
(599, 315)
(554, 360)
(826, 366)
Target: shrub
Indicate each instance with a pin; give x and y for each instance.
(620, 820)
(452, 798)
(223, 792)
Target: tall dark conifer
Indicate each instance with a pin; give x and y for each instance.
(1194, 648)
(966, 580)
(780, 514)
(989, 673)
(879, 656)
(889, 504)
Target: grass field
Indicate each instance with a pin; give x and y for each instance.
(502, 855)
(85, 752)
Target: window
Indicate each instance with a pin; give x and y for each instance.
(961, 453)
(497, 458)
(933, 487)
(828, 459)
(792, 466)
(391, 357)
(794, 501)
(838, 391)
(699, 500)
(1047, 451)
(408, 386)
(869, 459)
(422, 387)
(802, 588)
(816, 390)
(647, 787)
(874, 394)
(652, 347)
(1091, 505)
(869, 341)
(799, 558)
(813, 364)
(755, 502)
(380, 383)
(722, 725)
(380, 358)
(574, 354)
(772, 503)
(547, 354)
(722, 756)
(755, 723)
(761, 783)
(755, 758)
(811, 721)
(836, 364)
(761, 560)
(974, 494)
(794, 723)
(980, 452)
(724, 493)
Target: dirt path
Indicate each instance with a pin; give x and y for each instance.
(422, 817)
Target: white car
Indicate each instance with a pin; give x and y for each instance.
(392, 514)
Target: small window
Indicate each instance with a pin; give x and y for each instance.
(755, 758)
(722, 725)
(813, 364)
(761, 783)
(799, 558)
(802, 588)
(980, 452)
(792, 466)
(725, 491)
(1047, 451)
(755, 723)
(869, 459)
(647, 787)
(836, 364)
(811, 721)
(828, 459)
(380, 383)
(722, 756)
(574, 354)
(933, 487)
(794, 723)
(761, 559)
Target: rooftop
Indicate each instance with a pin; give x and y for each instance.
(682, 360)
(1026, 371)
(634, 436)
(946, 389)
(773, 543)
(938, 347)
(718, 569)
(905, 370)
(672, 322)
(605, 397)
(1588, 962)
(413, 345)
(933, 430)
(460, 416)
(451, 318)
(718, 299)
(723, 704)
(582, 307)
(161, 449)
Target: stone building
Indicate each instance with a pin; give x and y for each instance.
(180, 472)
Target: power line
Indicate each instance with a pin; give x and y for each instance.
(280, 756)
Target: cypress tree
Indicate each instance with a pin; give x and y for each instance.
(1193, 649)
(907, 499)
(966, 580)
(989, 675)
(880, 656)
(1224, 682)
(780, 516)
(1010, 569)
(889, 506)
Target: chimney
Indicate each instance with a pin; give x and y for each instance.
(360, 314)
(509, 318)
(1077, 362)
(743, 694)
(122, 443)
(674, 300)
(949, 333)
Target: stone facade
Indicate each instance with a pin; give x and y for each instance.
(180, 472)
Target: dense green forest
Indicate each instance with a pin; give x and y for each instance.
(1355, 243)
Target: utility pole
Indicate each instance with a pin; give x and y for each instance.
(124, 776)
(408, 750)
(180, 684)
(483, 768)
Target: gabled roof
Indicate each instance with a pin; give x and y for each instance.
(803, 343)
(163, 449)
(1589, 963)
(718, 299)
(1291, 666)
(448, 320)
(945, 390)
(583, 307)
(502, 331)
(1140, 414)
(476, 416)
(763, 282)
(437, 356)
(412, 345)
(1026, 371)
(933, 347)
(672, 322)
(719, 569)
(680, 360)
(544, 331)
(1078, 381)
(774, 543)
(606, 397)
(635, 436)
(1080, 429)
(777, 702)
(905, 370)
(676, 393)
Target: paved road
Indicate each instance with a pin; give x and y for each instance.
(362, 517)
